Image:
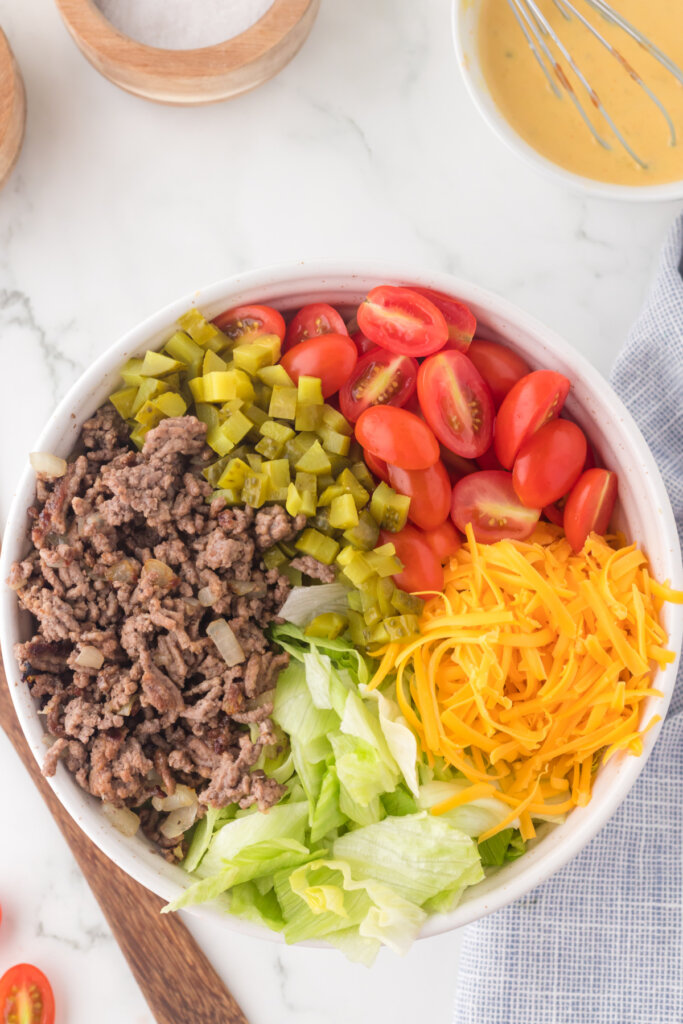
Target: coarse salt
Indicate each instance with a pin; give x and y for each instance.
(182, 24)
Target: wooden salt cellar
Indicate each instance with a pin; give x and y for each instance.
(12, 110)
(191, 77)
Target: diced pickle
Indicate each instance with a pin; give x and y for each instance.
(346, 555)
(196, 386)
(204, 333)
(293, 575)
(321, 521)
(318, 546)
(283, 403)
(315, 460)
(214, 472)
(277, 472)
(255, 489)
(235, 474)
(385, 591)
(309, 391)
(233, 405)
(308, 417)
(343, 512)
(253, 357)
(138, 434)
(130, 372)
(399, 626)
(255, 461)
(372, 615)
(338, 463)
(275, 376)
(379, 634)
(365, 534)
(148, 390)
(216, 439)
(237, 426)
(181, 347)
(389, 509)
(358, 631)
(384, 561)
(221, 386)
(231, 495)
(348, 481)
(262, 395)
(336, 421)
(359, 569)
(337, 444)
(269, 448)
(170, 404)
(363, 476)
(325, 480)
(278, 431)
(327, 626)
(406, 604)
(207, 414)
(213, 363)
(148, 415)
(299, 502)
(354, 600)
(330, 493)
(274, 557)
(256, 415)
(123, 401)
(156, 364)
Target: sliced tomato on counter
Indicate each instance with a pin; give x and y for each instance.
(488, 501)
(331, 357)
(243, 323)
(379, 378)
(533, 401)
(402, 320)
(589, 506)
(397, 436)
(459, 318)
(26, 996)
(422, 570)
(429, 491)
(376, 466)
(500, 367)
(456, 403)
(311, 321)
(444, 540)
(549, 463)
(362, 343)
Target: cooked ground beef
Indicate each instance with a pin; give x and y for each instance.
(121, 546)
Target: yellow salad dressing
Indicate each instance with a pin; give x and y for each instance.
(554, 127)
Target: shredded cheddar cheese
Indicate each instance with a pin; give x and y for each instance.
(531, 668)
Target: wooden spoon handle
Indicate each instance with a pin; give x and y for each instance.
(175, 977)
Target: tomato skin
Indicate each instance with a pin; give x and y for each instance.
(402, 320)
(28, 981)
(549, 463)
(555, 513)
(362, 343)
(397, 436)
(245, 321)
(456, 466)
(532, 402)
(489, 460)
(500, 367)
(429, 491)
(377, 467)
(379, 378)
(488, 501)
(444, 540)
(422, 570)
(456, 403)
(331, 357)
(459, 318)
(311, 321)
(590, 506)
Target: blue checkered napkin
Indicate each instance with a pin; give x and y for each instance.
(602, 941)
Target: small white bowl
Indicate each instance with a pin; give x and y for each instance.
(465, 18)
(644, 514)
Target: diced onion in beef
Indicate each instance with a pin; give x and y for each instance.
(304, 603)
(122, 818)
(90, 657)
(226, 642)
(47, 464)
(162, 575)
(206, 597)
(179, 821)
(183, 797)
(123, 571)
(242, 587)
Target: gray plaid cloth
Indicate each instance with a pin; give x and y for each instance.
(602, 941)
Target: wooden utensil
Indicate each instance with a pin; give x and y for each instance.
(175, 977)
(190, 77)
(12, 110)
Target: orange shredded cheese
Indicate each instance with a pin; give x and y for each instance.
(532, 667)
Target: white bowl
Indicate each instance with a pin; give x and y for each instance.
(645, 516)
(465, 17)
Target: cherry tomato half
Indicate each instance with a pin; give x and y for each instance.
(379, 378)
(429, 491)
(534, 400)
(456, 403)
(362, 343)
(589, 506)
(397, 436)
(555, 512)
(311, 321)
(488, 501)
(245, 322)
(444, 540)
(331, 357)
(549, 463)
(376, 466)
(402, 321)
(456, 466)
(26, 996)
(489, 459)
(500, 367)
(422, 570)
(460, 320)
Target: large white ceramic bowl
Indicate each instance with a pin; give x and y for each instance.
(645, 515)
(465, 17)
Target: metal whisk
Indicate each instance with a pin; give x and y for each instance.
(540, 34)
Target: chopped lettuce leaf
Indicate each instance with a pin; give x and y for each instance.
(400, 740)
(327, 815)
(399, 802)
(285, 821)
(505, 846)
(472, 818)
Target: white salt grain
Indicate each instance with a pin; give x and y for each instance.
(182, 24)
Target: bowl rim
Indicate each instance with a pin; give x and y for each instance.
(537, 864)
(500, 126)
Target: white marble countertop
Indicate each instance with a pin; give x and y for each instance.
(366, 145)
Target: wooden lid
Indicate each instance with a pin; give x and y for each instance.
(12, 110)
(190, 77)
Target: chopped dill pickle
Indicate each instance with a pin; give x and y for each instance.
(309, 391)
(234, 474)
(325, 480)
(389, 509)
(253, 357)
(130, 371)
(300, 502)
(318, 546)
(337, 444)
(346, 555)
(256, 415)
(234, 405)
(385, 591)
(379, 634)
(365, 534)
(338, 463)
(231, 495)
(330, 493)
(372, 615)
(274, 557)
(399, 626)
(221, 386)
(278, 431)
(293, 575)
(336, 421)
(348, 481)
(384, 561)
(237, 426)
(321, 521)
(327, 626)
(255, 461)
(306, 484)
(181, 347)
(138, 435)
(358, 631)
(148, 415)
(148, 390)
(196, 386)
(354, 600)
(262, 395)
(282, 403)
(363, 476)
(214, 472)
(213, 363)
(255, 489)
(315, 460)
(277, 471)
(170, 404)
(298, 446)
(275, 376)
(359, 569)
(269, 448)
(308, 417)
(204, 333)
(216, 439)
(123, 401)
(156, 364)
(343, 512)
(407, 604)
